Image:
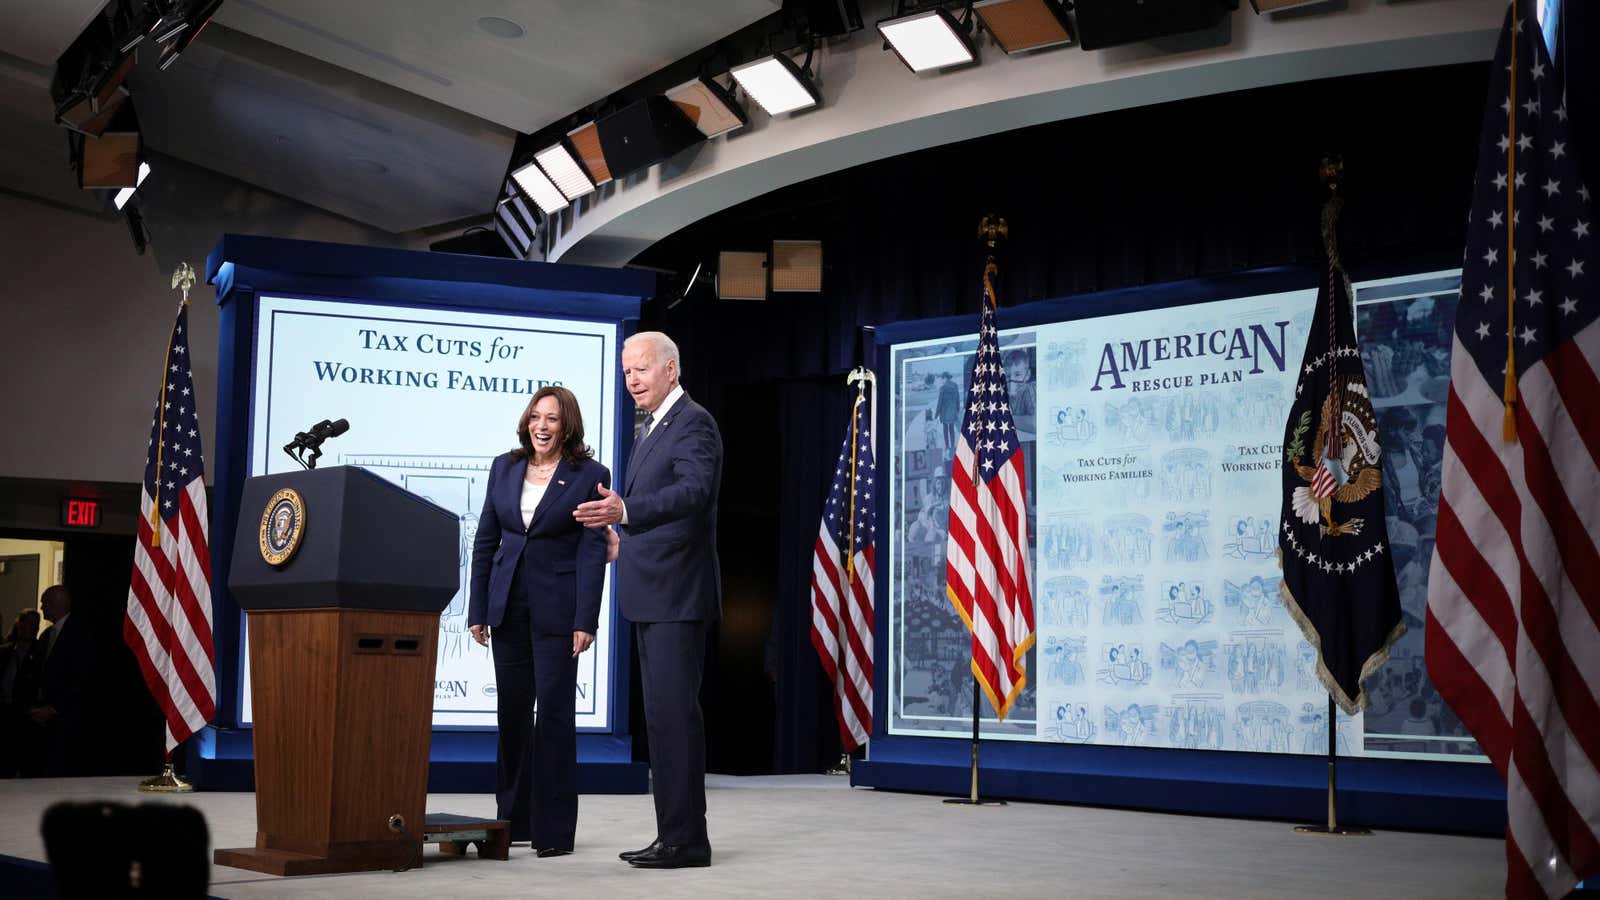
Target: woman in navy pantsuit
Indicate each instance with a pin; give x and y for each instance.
(536, 578)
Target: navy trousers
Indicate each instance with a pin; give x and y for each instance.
(671, 659)
(536, 779)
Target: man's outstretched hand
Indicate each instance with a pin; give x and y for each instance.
(600, 513)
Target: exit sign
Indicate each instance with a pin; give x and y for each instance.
(80, 512)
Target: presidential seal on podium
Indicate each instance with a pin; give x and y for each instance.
(283, 523)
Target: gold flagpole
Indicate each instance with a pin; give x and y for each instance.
(991, 230)
(1331, 172)
(169, 781)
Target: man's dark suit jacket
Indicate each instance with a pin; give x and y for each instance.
(59, 677)
(668, 569)
(567, 561)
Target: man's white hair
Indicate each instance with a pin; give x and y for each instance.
(662, 348)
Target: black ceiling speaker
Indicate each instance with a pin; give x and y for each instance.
(644, 133)
(827, 18)
(1107, 23)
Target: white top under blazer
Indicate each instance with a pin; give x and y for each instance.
(531, 495)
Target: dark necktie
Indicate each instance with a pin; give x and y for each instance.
(638, 440)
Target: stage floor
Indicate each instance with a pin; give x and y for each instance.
(814, 836)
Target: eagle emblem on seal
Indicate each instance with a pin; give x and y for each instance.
(1345, 467)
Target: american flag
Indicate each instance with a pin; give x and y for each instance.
(841, 589)
(986, 557)
(1514, 591)
(168, 625)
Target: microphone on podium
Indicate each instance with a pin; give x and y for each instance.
(311, 441)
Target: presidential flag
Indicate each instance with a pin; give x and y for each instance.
(841, 582)
(987, 567)
(1513, 624)
(168, 622)
(1338, 579)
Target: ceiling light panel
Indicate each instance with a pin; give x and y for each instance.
(927, 40)
(741, 276)
(539, 188)
(559, 165)
(585, 140)
(777, 84)
(709, 105)
(1023, 25)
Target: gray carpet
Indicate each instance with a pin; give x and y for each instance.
(813, 837)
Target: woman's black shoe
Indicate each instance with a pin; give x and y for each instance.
(551, 851)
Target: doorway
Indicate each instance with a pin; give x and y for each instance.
(19, 586)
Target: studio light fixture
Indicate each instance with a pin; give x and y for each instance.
(1111, 23)
(167, 27)
(516, 224)
(197, 22)
(1020, 26)
(831, 18)
(585, 140)
(125, 194)
(1268, 6)
(928, 39)
(169, 20)
(112, 159)
(643, 133)
(710, 106)
(537, 186)
(131, 21)
(741, 275)
(684, 294)
(796, 266)
(88, 84)
(169, 56)
(777, 84)
(562, 169)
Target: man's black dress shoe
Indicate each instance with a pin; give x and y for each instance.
(550, 851)
(671, 856)
(631, 855)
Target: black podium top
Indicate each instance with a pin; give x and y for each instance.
(367, 544)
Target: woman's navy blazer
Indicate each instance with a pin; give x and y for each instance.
(566, 564)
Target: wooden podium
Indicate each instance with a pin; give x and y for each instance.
(343, 635)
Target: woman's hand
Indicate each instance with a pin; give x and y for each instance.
(613, 545)
(581, 641)
(480, 633)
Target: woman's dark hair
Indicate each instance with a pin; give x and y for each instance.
(573, 449)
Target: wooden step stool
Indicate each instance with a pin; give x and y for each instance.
(453, 833)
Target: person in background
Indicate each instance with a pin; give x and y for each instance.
(949, 409)
(13, 655)
(51, 687)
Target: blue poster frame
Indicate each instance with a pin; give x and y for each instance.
(1466, 797)
(243, 268)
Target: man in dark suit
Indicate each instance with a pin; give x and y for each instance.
(51, 690)
(669, 585)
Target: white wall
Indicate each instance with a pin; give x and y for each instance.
(84, 320)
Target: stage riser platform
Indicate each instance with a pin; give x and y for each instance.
(806, 837)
